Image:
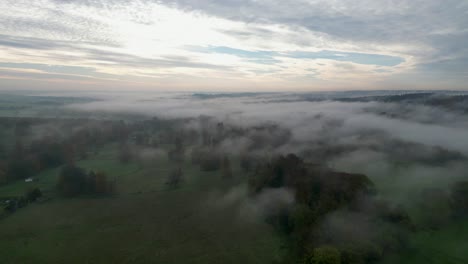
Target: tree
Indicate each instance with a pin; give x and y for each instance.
(3, 172)
(71, 181)
(175, 178)
(125, 154)
(91, 182)
(33, 194)
(226, 168)
(246, 162)
(101, 184)
(75, 181)
(19, 169)
(324, 255)
(459, 197)
(208, 160)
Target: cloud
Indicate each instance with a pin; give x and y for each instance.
(438, 29)
(271, 45)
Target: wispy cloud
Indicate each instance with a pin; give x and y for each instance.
(246, 44)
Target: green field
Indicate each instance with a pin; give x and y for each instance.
(445, 245)
(145, 222)
(448, 245)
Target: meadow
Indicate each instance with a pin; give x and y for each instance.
(144, 222)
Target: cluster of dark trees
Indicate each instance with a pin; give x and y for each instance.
(319, 192)
(74, 181)
(338, 218)
(459, 199)
(175, 178)
(177, 153)
(209, 159)
(32, 154)
(12, 204)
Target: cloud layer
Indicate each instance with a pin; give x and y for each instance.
(234, 45)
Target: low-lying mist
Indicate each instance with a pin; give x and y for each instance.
(349, 175)
(408, 143)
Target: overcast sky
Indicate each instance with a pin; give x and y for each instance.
(234, 45)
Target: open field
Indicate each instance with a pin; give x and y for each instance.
(144, 222)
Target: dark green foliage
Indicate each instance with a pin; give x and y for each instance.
(74, 181)
(459, 197)
(246, 163)
(3, 172)
(125, 154)
(71, 181)
(280, 172)
(20, 169)
(31, 155)
(177, 154)
(15, 203)
(175, 178)
(207, 159)
(319, 193)
(324, 255)
(33, 194)
(49, 153)
(226, 168)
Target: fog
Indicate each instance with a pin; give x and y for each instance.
(411, 146)
(360, 172)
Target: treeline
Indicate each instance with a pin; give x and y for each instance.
(74, 181)
(71, 140)
(206, 132)
(11, 204)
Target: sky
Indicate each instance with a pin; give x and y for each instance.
(234, 45)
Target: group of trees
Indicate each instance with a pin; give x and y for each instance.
(175, 178)
(206, 158)
(177, 154)
(14, 203)
(74, 181)
(459, 199)
(319, 192)
(211, 160)
(70, 140)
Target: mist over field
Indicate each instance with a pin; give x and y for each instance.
(335, 171)
(369, 136)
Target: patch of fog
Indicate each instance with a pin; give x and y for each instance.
(401, 183)
(250, 208)
(306, 120)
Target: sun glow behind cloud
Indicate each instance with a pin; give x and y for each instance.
(146, 44)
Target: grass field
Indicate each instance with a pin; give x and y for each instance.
(144, 222)
(447, 245)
